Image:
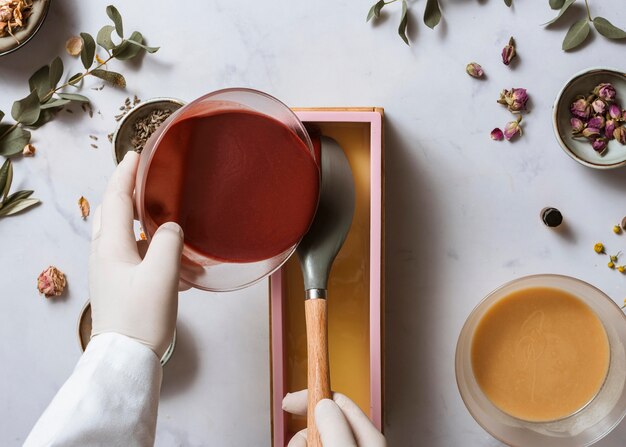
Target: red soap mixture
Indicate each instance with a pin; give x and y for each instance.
(242, 185)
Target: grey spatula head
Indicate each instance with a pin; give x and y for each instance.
(329, 229)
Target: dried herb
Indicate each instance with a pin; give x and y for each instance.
(51, 282)
(145, 127)
(579, 30)
(83, 205)
(13, 16)
(18, 201)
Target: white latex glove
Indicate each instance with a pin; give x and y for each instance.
(130, 296)
(340, 421)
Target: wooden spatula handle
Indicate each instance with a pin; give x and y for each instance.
(318, 371)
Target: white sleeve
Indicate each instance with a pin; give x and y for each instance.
(111, 398)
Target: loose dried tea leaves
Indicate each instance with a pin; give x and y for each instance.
(13, 16)
(83, 204)
(51, 282)
(145, 127)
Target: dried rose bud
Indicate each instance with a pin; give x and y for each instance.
(508, 52)
(615, 112)
(511, 129)
(599, 144)
(474, 70)
(51, 282)
(620, 134)
(591, 132)
(577, 125)
(29, 150)
(596, 121)
(598, 106)
(580, 108)
(609, 128)
(496, 134)
(605, 91)
(515, 99)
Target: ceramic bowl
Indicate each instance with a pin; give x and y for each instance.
(8, 44)
(125, 129)
(580, 149)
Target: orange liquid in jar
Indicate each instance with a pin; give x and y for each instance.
(540, 354)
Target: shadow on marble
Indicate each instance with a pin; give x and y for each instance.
(181, 370)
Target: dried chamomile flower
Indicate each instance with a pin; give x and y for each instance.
(51, 282)
(599, 248)
(621, 268)
(74, 45)
(611, 265)
(83, 204)
(617, 229)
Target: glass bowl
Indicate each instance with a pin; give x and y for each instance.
(587, 425)
(197, 269)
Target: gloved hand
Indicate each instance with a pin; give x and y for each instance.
(340, 421)
(130, 296)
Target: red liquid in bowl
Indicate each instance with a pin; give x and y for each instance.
(241, 184)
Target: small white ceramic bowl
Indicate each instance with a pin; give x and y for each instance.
(580, 149)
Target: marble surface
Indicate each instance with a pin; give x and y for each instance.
(462, 211)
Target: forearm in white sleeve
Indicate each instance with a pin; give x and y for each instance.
(111, 398)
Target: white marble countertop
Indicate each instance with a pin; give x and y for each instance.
(462, 211)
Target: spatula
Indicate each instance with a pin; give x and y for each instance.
(317, 251)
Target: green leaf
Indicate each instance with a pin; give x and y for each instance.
(576, 35)
(126, 50)
(404, 21)
(45, 116)
(13, 143)
(40, 81)
(508, 2)
(17, 206)
(111, 77)
(432, 13)
(564, 8)
(56, 72)
(104, 37)
(54, 103)
(74, 97)
(17, 196)
(374, 11)
(556, 4)
(116, 17)
(6, 178)
(75, 79)
(26, 110)
(89, 50)
(145, 47)
(607, 29)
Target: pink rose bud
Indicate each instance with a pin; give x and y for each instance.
(605, 91)
(609, 128)
(515, 99)
(511, 129)
(51, 282)
(474, 70)
(599, 145)
(598, 106)
(496, 134)
(508, 52)
(580, 108)
(596, 122)
(577, 125)
(620, 134)
(614, 112)
(591, 132)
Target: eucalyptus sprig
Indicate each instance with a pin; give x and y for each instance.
(16, 202)
(47, 95)
(579, 30)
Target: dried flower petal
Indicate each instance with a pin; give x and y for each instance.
(511, 129)
(508, 52)
(83, 204)
(51, 282)
(474, 70)
(496, 134)
(100, 60)
(29, 150)
(74, 45)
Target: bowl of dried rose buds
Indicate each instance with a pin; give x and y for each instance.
(589, 118)
(19, 22)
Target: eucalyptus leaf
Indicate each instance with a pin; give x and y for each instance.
(576, 35)
(56, 72)
(564, 8)
(26, 110)
(75, 79)
(145, 47)
(104, 37)
(13, 142)
(6, 178)
(17, 196)
(432, 13)
(111, 77)
(40, 82)
(17, 206)
(54, 103)
(374, 11)
(556, 4)
(508, 2)
(126, 50)
(1, 115)
(89, 50)
(607, 29)
(116, 17)
(404, 22)
(45, 116)
(74, 97)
